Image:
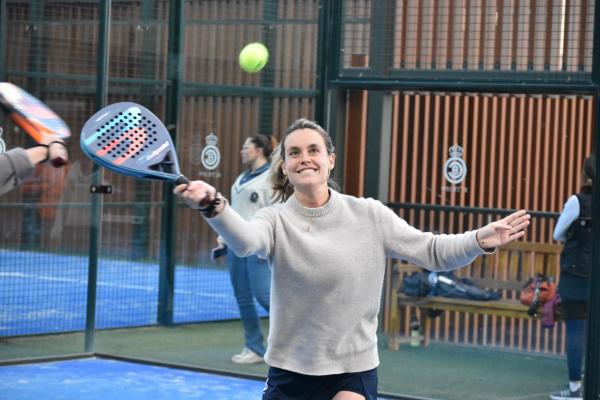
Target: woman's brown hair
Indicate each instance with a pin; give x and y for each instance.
(589, 172)
(264, 142)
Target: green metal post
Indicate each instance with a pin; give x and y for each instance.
(31, 223)
(382, 32)
(323, 60)
(373, 144)
(592, 359)
(267, 75)
(96, 207)
(166, 284)
(36, 50)
(335, 124)
(330, 104)
(140, 233)
(3, 39)
(382, 36)
(335, 39)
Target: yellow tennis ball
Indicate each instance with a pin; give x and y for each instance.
(254, 57)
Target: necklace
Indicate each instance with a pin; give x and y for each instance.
(306, 215)
(309, 212)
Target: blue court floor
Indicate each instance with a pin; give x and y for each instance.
(46, 293)
(101, 379)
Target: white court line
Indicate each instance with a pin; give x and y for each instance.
(107, 284)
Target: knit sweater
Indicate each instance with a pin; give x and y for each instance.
(327, 275)
(15, 167)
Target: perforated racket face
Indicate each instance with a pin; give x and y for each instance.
(129, 139)
(36, 118)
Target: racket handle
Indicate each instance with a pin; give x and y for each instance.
(182, 180)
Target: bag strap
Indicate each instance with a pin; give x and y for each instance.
(535, 302)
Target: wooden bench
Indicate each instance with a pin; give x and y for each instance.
(505, 271)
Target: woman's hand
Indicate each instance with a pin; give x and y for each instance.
(503, 231)
(197, 194)
(49, 148)
(58, 153)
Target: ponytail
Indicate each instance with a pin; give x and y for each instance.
(280, 184)
(589, 172)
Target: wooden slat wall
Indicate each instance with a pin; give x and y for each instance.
(521, 152)
(490, 35)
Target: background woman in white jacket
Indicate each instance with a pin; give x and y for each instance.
(251, 276)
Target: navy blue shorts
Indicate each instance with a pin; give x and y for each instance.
(287, 385)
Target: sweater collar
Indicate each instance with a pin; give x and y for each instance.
(317, 211)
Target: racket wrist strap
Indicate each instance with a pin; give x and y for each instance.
(214, 207)
(63, 144)
(47, 152)
(47, 146)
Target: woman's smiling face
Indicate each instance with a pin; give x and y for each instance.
(307, 162)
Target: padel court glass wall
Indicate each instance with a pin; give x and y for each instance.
(404, 87)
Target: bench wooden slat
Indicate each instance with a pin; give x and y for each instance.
(506, 271)
(487, 283)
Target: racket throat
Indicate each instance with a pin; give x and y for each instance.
(167, 165)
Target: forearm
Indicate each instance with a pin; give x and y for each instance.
(434, 252)
(242, 236)
(37, 154)
(454, 251)
(569, 214)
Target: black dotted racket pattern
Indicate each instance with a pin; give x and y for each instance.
(132, 144)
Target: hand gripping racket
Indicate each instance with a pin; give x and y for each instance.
(35, 118)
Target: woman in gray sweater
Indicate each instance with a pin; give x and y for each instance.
(327, 253)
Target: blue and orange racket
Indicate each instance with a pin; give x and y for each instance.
(35, 118)
(129, 139)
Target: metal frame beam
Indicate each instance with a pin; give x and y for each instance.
(592, 359)
(96, 200)
(168, 243)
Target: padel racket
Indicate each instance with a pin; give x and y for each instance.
(129, 139)
(35, 118)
